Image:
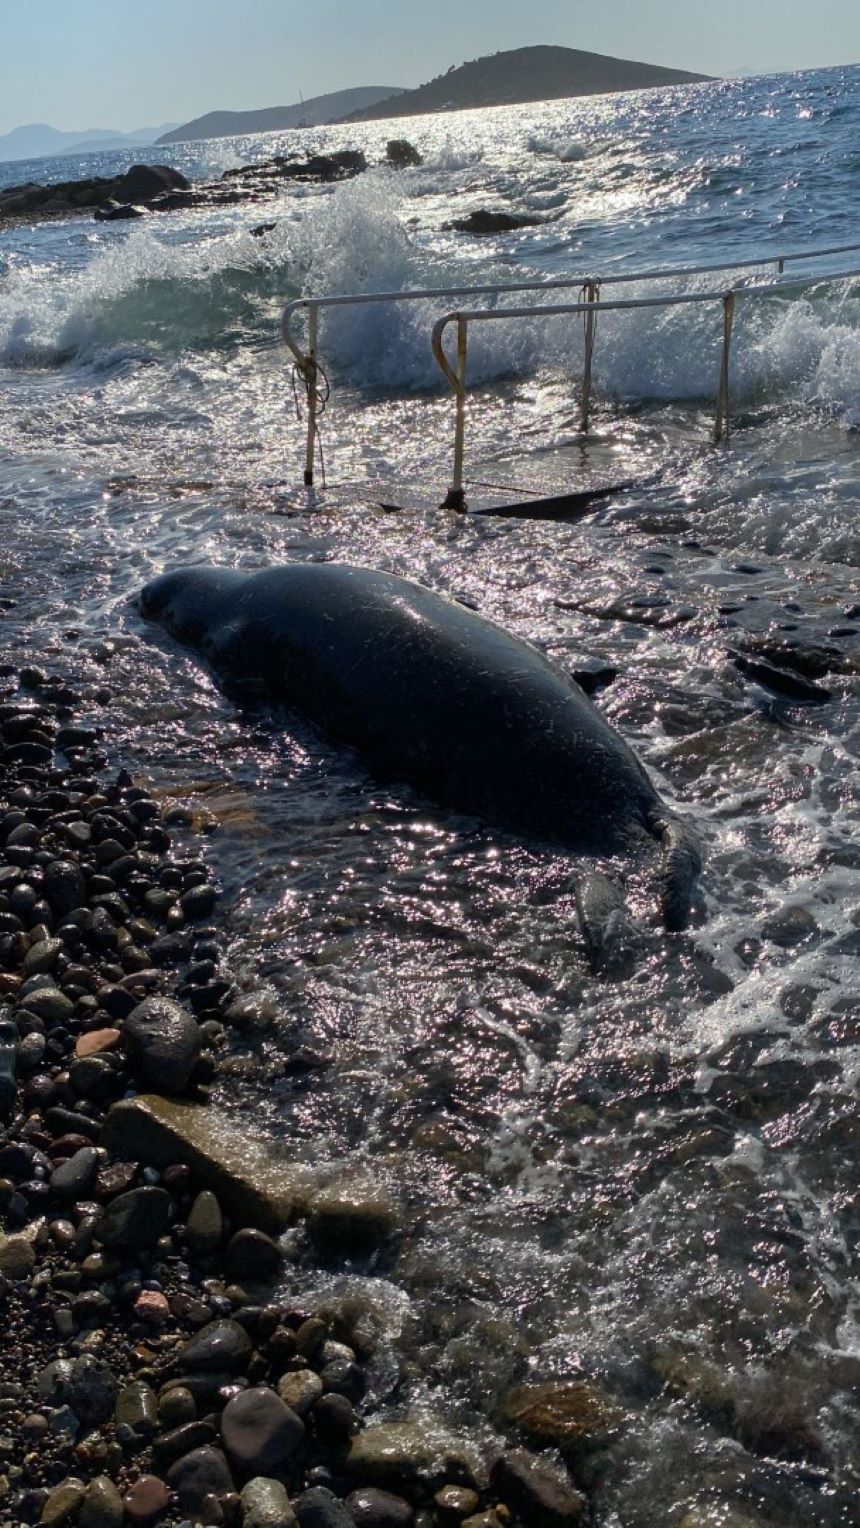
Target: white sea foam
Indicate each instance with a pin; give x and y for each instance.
(565, 150)
(149, 292)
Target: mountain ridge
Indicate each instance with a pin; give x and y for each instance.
(520, 75)
(314, 112)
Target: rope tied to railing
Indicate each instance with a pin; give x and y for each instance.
(311, 376)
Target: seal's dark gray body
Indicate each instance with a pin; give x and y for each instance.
(428, 691)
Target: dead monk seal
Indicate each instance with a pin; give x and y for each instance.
(429, 692)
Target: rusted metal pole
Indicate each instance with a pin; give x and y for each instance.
(590, 293)
(722, 424)
(310, 375)
(455, 497)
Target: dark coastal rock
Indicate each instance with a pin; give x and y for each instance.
(118, 212)
(182, 1440)
(372, 1508)
(568, 1415)
(141, 182)
(484, 222)
(204, 1472)
(91, 1390)
(220, 1347)
(400, 154)
(260, 1433)
(252, 1254)
(64, 887)
(299, 1389)
(399, 1455)
(252, 1185)
(204, 1226)
(265, 1504)
(49, 1004)
(334, 1419)
(17, 1257)
(163, 1043)
(74, 1179)
(782, 681)
(812, 660)
(102, 1505)
(146, 1500)
(135, 1220)
(536, 1491)
(351, 1216)
(137, 1407)
(160, 188)
(319, 1508)
(8, 1062)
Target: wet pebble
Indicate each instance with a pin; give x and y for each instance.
(265, 1504)
(75, 1178)
(300, 1389)
(251, 1254)
(320, 1508)
(260, 1432)
(221, 1346)
(204, 1226)
(372, 1508)
(204, 1472)
(147, 1500)
(135, 1220)
(102, 1505)
(163, 1043)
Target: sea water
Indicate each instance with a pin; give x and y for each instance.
(644, 1184)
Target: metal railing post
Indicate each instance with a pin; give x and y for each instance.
(722, 424)
(455, 497)
(310, 374)
(590, 294)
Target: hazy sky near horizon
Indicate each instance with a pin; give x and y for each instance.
(124, 64)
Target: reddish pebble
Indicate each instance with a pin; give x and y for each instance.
(152, 1307)
(97, 1040)
(115, 1179)
(147, 1499)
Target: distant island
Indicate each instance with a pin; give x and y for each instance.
(38, 140)
(526, 74)
(313, 113)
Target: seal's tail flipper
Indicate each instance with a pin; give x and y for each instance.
(613, 942)
(681, 865)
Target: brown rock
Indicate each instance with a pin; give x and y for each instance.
(95, 1041)
(253, 1185)
(566, 1414)
(147, 1500)
(152, 1307)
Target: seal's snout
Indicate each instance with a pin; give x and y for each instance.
(187, 601)
(150, 600)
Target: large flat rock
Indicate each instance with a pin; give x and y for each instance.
(255, 1185)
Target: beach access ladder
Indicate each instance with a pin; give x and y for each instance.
(589, 304)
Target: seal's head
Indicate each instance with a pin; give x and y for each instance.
(189, 602)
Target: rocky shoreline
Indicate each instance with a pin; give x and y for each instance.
(151, 1373)
(147, 188)
(159, 188)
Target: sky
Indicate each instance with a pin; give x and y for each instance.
(124, 64)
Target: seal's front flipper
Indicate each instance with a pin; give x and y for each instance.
(611, 938)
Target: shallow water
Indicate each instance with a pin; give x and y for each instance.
(647, 1182)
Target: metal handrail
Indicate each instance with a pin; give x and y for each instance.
(456, 375)
(307, 361)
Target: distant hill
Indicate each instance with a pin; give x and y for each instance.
(526, 74)
(38, 140)
(312, 113)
